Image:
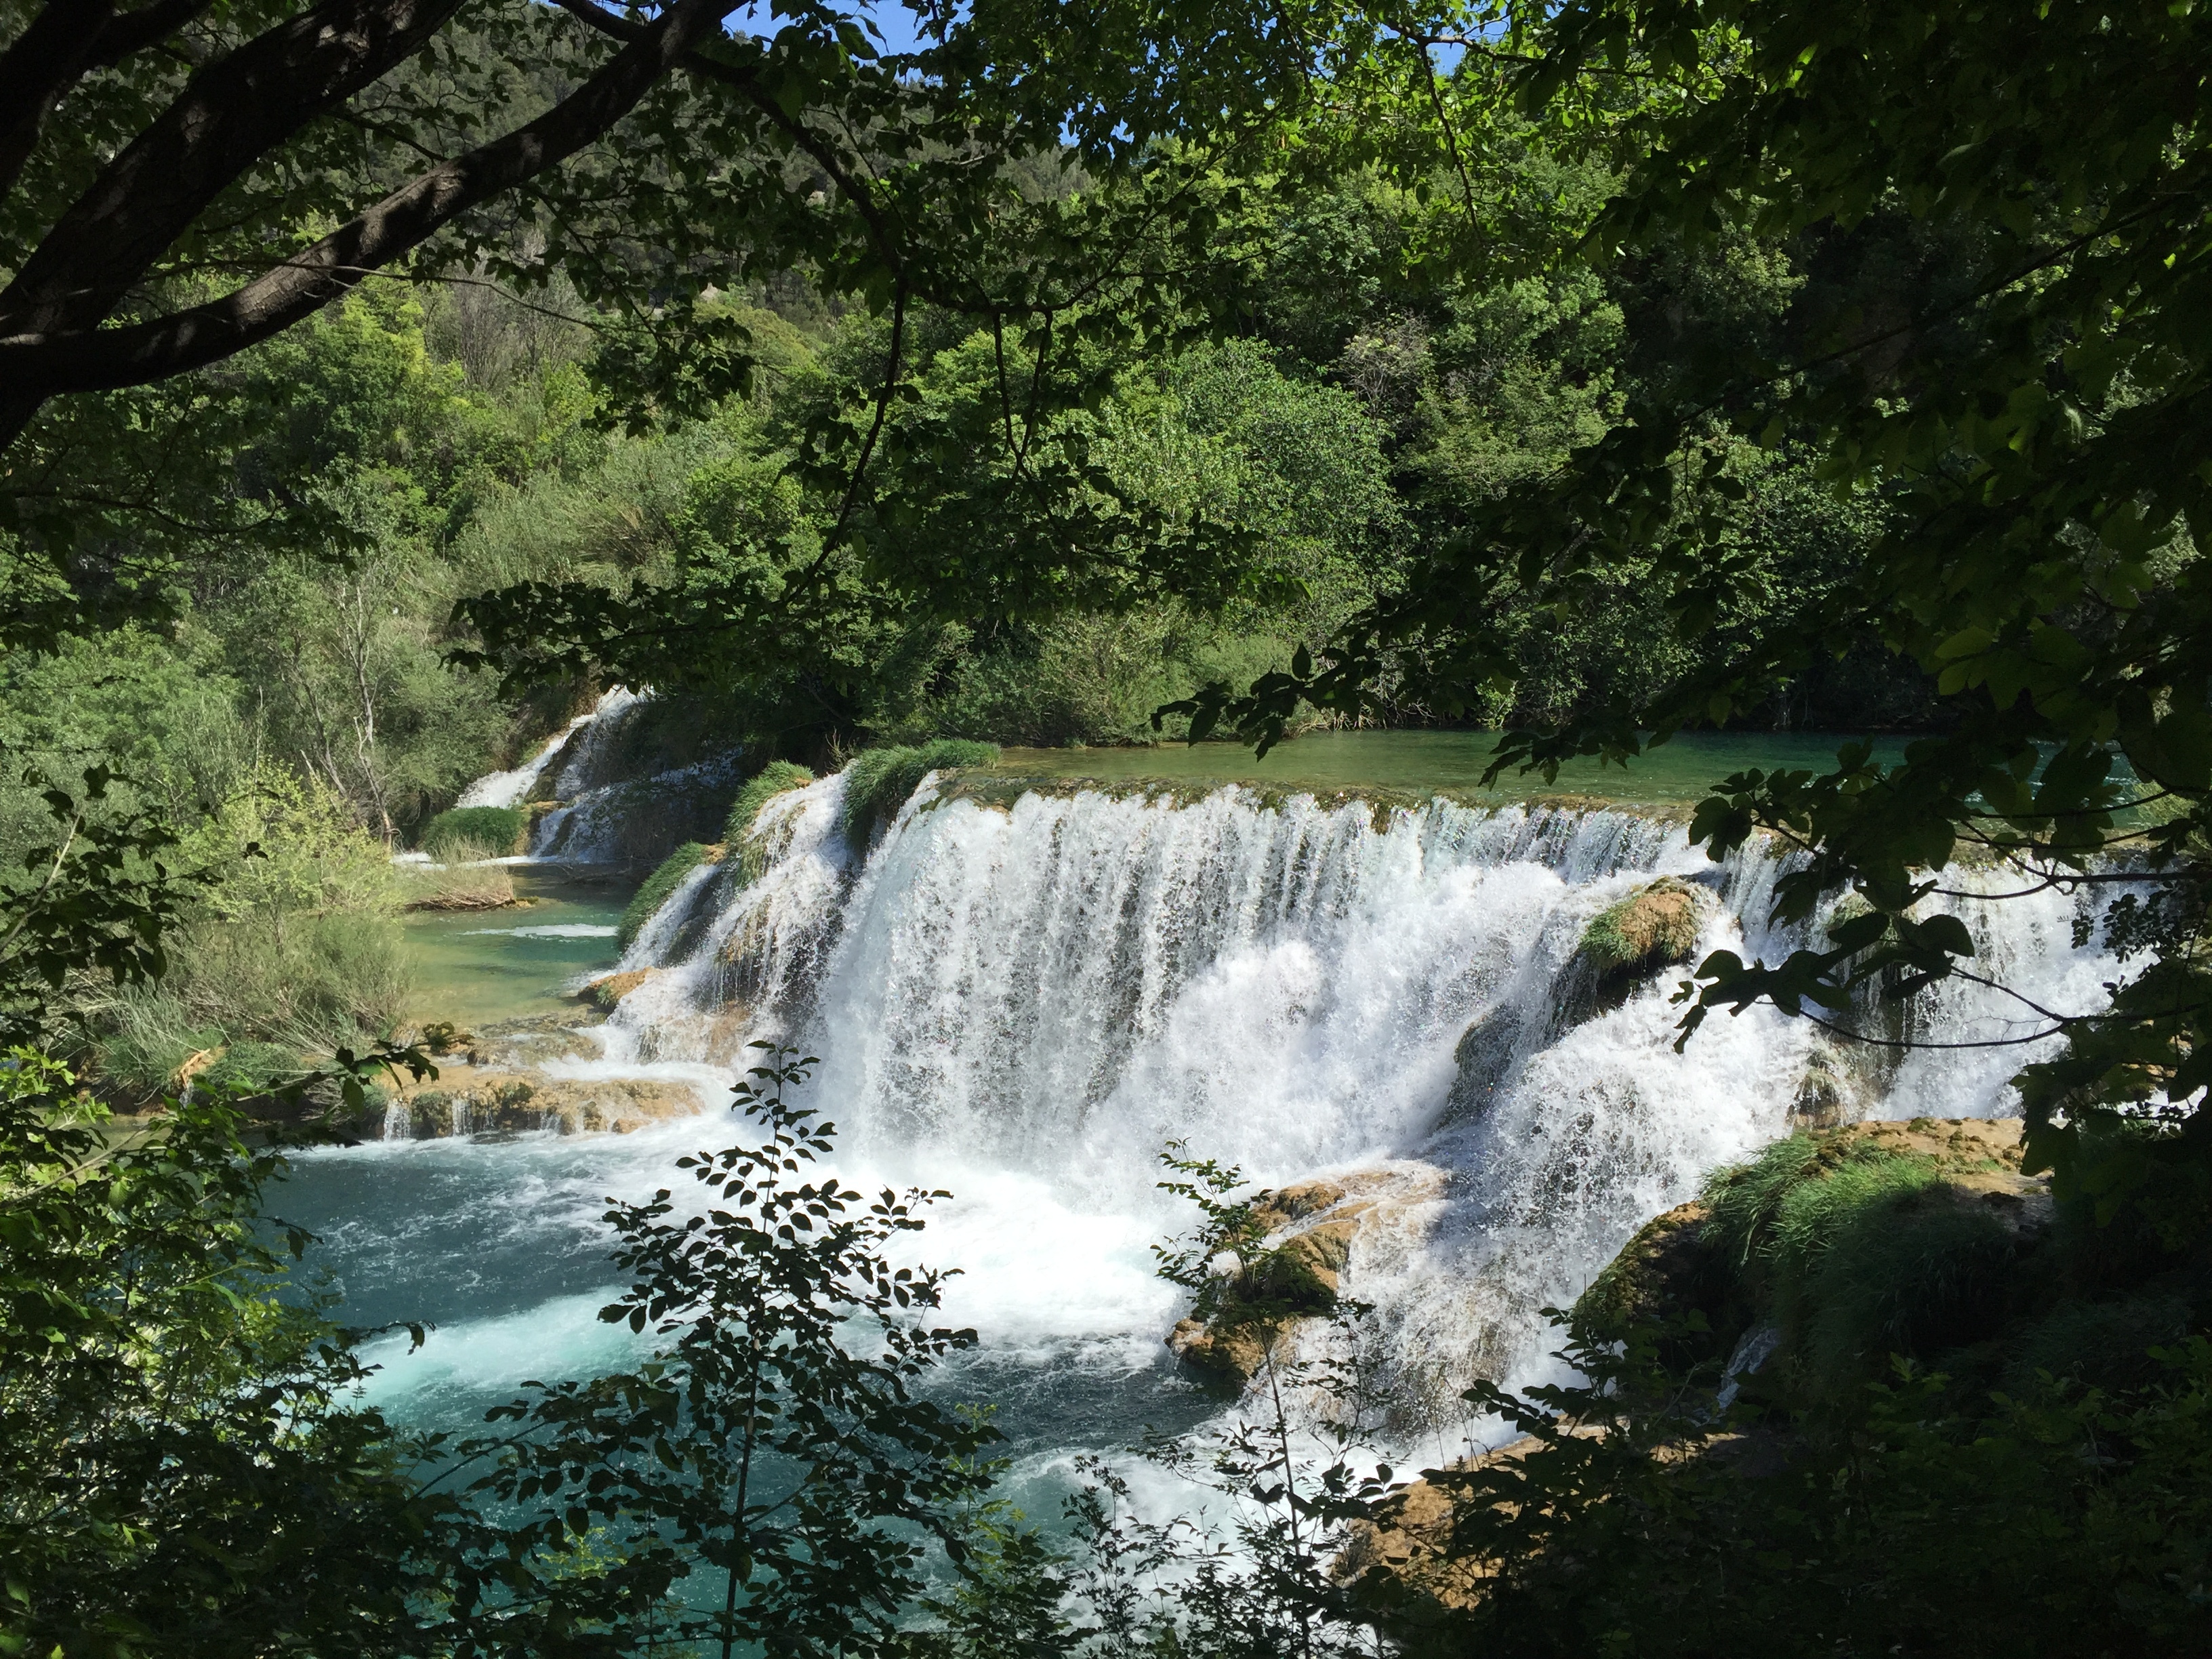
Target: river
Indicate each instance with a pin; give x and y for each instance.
(1023, 1000)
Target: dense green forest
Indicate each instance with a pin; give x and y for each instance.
(449, 445)
(1088, 375)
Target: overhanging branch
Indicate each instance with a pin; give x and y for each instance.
(92, 360)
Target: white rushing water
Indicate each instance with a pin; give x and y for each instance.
(1025, 1004)
(513, 788)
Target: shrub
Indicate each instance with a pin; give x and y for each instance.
(504, 829)
(466, 881)
(250, 1068)
(658, 886)
(294, 946)
(878, 782)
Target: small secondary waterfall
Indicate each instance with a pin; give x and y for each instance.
(1050, 992)
(594, 809)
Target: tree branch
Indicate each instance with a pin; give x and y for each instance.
(228, 117)
(40, 64)
(746, 83)
(85, 360)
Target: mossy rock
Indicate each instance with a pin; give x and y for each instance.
(1626, 942)
(1482, 1059)
(1674, 1276)
(1658, 923)
(658, 887)
(776, 778)
(1298, 1278)
(878, 782)
(1874, 1239)
(1824, 1094)
(1223, 1359)
(474, 1102)
(610, 989)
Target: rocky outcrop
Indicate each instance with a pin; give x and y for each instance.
(1834, 1248)
(470, 1100)
(515, 1044)
(608, 990)
(1409, 1539)
(1657, 924)
(1311, 1232)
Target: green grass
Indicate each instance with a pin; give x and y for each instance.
(658, 886)
(771, 781)
(504, 829)
(877, 782)
(1861, 1255)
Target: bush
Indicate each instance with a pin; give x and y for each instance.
(250, 1068)
(878, 782)
(658, 886)
(465, 882)
(294, 945)
(504, 829)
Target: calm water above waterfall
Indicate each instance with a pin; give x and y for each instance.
(1447, 763)
(1024, 1004)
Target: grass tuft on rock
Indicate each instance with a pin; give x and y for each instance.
(776, 778)
(1657, 923)
(465, 881)
(1861, 1249)
(503, 830)
(878, 782)
(658, 886)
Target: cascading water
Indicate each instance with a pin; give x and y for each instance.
(1023, 1002)
(1026, 1004)
(513, 788)
(595, 810)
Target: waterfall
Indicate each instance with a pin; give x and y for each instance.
(598, 810)
(513, 788)
(1052, 991)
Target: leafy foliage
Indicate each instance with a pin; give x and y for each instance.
(2025, 420)
(183, 1472)
(773, 1444)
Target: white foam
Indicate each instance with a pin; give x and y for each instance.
(510, 788)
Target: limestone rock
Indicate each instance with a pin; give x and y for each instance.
(1656, 924)
(1228, 1359)
(1483, 1057)
(1824, 1091)
(1409, 1539)
(526, 1040)
(1311, 1229)
(608, 990)
(467, 1100)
